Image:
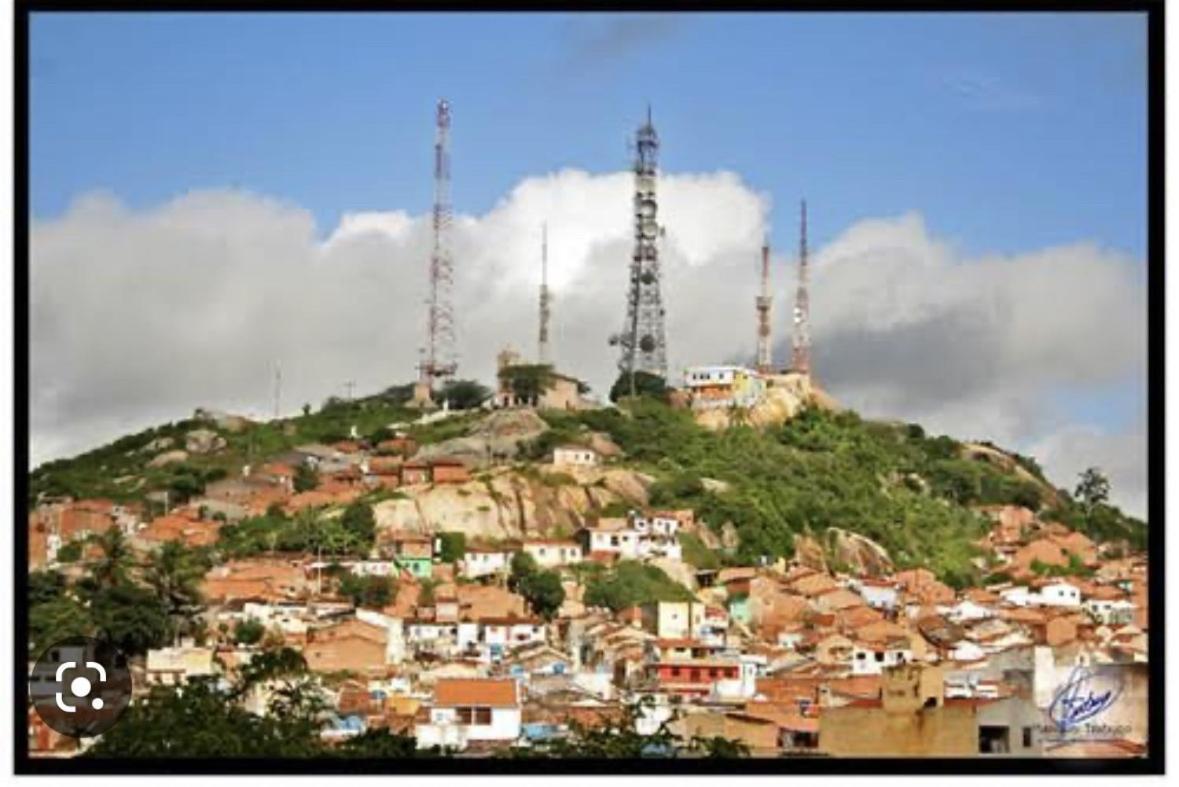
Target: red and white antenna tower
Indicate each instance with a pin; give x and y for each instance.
(801, 361)
(765, 361)
(545, 301)
(439, 356)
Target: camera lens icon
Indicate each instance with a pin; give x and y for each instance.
(80, 686)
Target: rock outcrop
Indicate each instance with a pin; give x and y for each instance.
(786, 395)
(858, 554)
(203, 441)
(508, 504)
(167, 458)
(499, 436)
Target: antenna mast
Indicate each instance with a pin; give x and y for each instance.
(802, 306)
(545, 303)
(439, 352)
(277, 389)
(643, 339)
(765, 363)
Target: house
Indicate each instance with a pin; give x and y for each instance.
(569, 456)
(485, 561)
(878, 593)
(550, 553)
(523, 385)
(412, 552)
(872, 658)
(637, 537)
(466, 711)
(445, 470)
(1058, 594)
(610, 537)
(674, 620)
(175, 666)
(722, 387)
(352, 645)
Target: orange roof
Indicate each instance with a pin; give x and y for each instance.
(453, 692)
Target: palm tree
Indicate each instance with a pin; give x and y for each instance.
(111, 569)
(174, 572)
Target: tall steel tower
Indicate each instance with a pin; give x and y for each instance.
(643, 341)
(542, 349)
(765, 361)
(801, 361)
(439, 356)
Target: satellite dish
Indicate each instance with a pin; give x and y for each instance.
(647, 208)
(647, 343)
(650, 230)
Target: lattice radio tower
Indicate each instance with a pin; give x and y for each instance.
(542, 349)
(765, 360)
(439, 356)
(642, 339)
(801, 361)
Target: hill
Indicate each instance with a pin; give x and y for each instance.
(821, 478)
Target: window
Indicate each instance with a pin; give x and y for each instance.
(879, 656)
(675, 672)
(464, 715)
(1027, 737)
(483, 715)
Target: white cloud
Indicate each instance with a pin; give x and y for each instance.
(141, 316)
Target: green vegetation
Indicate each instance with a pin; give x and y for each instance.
(892, 483)
(70, 553)
(453, 546)
(645, 384)
(697, 554)
(629, 583)
(305, 479)
(465, 394)
(163, 724)
(248, 632)
(350, 534)
(373, 592)
(527, 381)
(541, 589)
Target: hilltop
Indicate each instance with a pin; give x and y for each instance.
(830, 485)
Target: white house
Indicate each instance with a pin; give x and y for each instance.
(1107, 611)
(574, 456)
(1019, 595)
(871, 659)
(1059, 594)
(878, 593)
(468, 710)
(550, 553)
(968, 610)
(485, 562)
(745, 685)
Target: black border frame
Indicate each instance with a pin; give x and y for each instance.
(1152, 763)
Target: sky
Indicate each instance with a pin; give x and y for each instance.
(214, 193)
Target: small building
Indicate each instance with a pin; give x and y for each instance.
(535, 385)
(353, 645)
(413, 553)
(575, 456)
(466, 711)
(483, 562)
(175, 666)
(550, 553)
(720, 387)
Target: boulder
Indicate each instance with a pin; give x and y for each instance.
(859, 554)
(809, 552)
(203, 441)
(167, 458)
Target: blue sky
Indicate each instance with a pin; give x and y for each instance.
(1007, 132)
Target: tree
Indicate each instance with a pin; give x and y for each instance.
(248, 632)
(465, 394)
(111, 569)
(175, 573)
(1092, 490)
(357, 521)
(527, 382)
(306, 478)
(544, 593)
(372, 591)
(453, 547)
(645, 384)
(132, 618)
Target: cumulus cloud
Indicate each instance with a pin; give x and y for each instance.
(139, 316)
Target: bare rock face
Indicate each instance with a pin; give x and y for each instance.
(203, 441)
(730, 540)
(159, 444)
(809, 552)
(714, 486)
(606, 448)
(677, 570)
(507, 504)
(499, 436)
(859, 553)
(167, 458)
(628, 485)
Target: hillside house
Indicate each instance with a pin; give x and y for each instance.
(722, 387)
(550, 553)
(466, 711)
(572, 456)
(485, 561)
